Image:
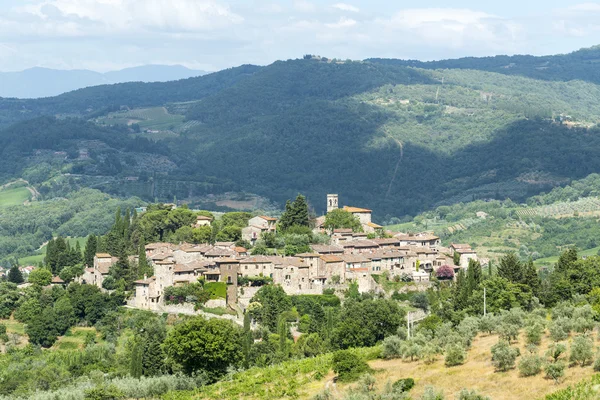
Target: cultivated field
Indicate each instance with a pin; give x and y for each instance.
(477, 373)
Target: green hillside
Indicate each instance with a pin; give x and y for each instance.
(578, 65)
(540, 229)
(384, 135)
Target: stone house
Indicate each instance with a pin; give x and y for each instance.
(229, 270)
(257, 266)
(99, 271)
(419, 239)
(292, 274)
(257, 226)
(332, 265)
(202, 220)
(326, 249)
(363, 214)
(360, 246)
(466, 254)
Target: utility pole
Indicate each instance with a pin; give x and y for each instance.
(484, 302)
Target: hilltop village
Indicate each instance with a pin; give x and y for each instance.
(350, 257)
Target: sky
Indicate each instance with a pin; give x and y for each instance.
(211, 35)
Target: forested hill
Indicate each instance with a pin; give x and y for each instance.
(393, 138)
(578, 65)
(98, 100)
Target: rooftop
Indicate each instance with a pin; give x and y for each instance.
(357, 209)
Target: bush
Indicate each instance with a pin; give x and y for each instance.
(560, 329)
(431, 393)
(104, 393)
(392, 347)
(508, 332)
(467, 394)
(533, 334)
(555, 350)
(348, 366)
(403, 385)
(455, 355)
(504, 356)
(582, 350)
(530, 365)
(597, 364)
(555, 370)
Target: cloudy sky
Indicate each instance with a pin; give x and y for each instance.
(214, 34)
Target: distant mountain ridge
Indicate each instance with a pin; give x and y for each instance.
(45, 82)
(395, 138)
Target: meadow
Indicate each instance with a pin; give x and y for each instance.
(14, 197)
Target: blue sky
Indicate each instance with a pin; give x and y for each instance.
(214, 34)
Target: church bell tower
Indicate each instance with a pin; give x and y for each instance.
(332, 202)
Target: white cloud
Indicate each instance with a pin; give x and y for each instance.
(346, 7)
(112, 16)
(343, 22)
(578, 21)
(304, 6)
(452, 27)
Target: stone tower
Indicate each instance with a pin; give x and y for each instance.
(332, 202)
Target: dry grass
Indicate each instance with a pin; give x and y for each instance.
(477, 373)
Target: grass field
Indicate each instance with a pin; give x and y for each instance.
(550, 261)
(155, 118)
(477, 373)
(14, 197)
(74, 339)
(37, 258)
(13, 326)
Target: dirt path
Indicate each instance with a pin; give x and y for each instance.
(401, 146)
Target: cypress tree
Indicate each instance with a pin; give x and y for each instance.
(300, 211)
(511, 268)
(91, 248)
(247, 340)
(126, 226)
(77, 257)
(461, 291)
(283, 331)
(566, 260)
(15, 275)
(143, 267)
(531, 278)
(50, 258)
(135, 366)
(473, 275)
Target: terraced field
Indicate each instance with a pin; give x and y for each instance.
(589, 206)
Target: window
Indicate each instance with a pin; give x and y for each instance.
(246, 267)
(229, 267)
(257, 267)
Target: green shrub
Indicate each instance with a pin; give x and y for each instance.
(467, 394)
(404, 385)
(530, 365)
(104, 393)
(597, 364)
(455, 355)
(560, 329)
(533, 334)
(392, 347)
(348, 366)
(555, 350)
(582, 350)
(555, 370)
(504, 356)
(431, 393)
